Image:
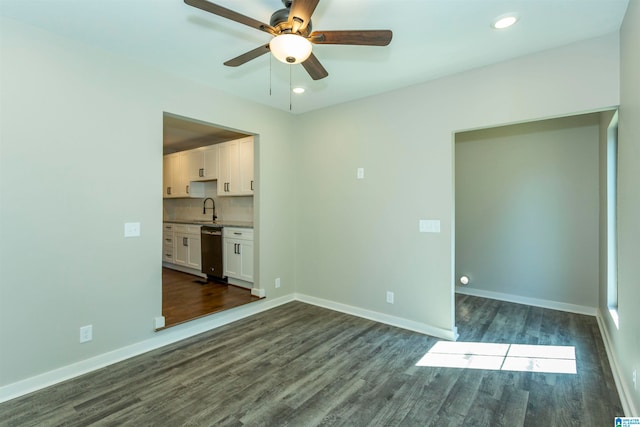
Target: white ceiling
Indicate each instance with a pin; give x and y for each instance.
(431, 38)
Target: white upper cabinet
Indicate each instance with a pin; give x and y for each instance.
(231, 163)
(203, 163)
(175, 174)
(245, 149)
(235, 168)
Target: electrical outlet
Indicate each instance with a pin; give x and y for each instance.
(635, 379)
(389, 297)
(277, 282)
(86, 333)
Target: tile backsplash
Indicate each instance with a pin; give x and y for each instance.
(238, 208)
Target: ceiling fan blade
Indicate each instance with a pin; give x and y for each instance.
(300, 14)
(246, 57)
(355, 37)
(232, 15)
(314, 68)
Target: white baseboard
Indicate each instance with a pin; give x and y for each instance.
(258, 292)
(553, 305)
(399, 322)
(160, 339)
(624, 393)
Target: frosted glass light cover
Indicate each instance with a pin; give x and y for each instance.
(290, 48)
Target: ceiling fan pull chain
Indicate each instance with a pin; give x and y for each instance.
(270, 74)
(290, 88)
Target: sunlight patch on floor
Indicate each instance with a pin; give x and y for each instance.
(502, 357)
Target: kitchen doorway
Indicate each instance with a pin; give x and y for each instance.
(191, 198)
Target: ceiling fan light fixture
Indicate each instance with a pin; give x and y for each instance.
(290, 48)
(298, 90)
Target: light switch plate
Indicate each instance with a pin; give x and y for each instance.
(360, 173)
(429, 226)
(131, 229)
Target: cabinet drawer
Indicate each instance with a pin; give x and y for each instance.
(168, 227)
(238, 233)
(186, 228)
(167, 255)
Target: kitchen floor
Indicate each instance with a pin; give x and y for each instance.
(186, 297)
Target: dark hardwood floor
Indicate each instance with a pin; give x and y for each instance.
(186, 297)
(301, 365)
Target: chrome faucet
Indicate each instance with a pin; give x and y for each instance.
(204, 207)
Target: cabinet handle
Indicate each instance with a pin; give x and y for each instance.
(238, 248)
(201, 172)
(185, 241)
(169, 190)
(187, 189)
(237, 233)
(252, 185)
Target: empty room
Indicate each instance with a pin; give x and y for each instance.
(222, 175)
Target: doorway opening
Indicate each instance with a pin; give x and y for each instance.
(527, 212)
(208, 185)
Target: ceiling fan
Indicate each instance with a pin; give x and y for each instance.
(292, 35)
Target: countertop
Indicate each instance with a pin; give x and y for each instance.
(224, 223)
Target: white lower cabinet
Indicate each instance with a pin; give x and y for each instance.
(186, 245)
(167, 243)
(238, 253)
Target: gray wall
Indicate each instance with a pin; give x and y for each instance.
(527, 210)
(626, 340)
(80, 155)
(356, 239)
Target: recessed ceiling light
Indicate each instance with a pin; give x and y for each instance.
(298, 90)
(504, 21)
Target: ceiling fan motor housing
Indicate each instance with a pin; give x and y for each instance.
(280, 20)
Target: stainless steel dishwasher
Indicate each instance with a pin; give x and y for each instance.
(211, 244)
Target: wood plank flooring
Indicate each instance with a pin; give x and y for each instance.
(186, 297)
(301, 365)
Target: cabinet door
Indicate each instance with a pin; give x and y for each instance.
(231, 258)
(195, 164)
(167, 176)
(194, 252)
(225, 154)
(180, 174)
(181, 248)
(245, 162)
(246, 260)
(210, 155)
